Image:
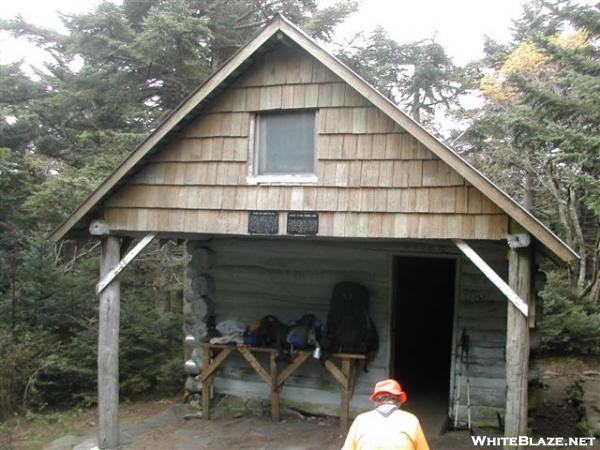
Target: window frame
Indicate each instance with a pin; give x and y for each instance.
(279, 178)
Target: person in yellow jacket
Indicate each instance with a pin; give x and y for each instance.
(387, 427)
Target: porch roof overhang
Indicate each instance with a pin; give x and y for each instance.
(281, 29)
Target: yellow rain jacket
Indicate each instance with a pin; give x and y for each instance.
(386, 429)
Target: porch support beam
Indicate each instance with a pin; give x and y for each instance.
(517, 345)
(506, 289)
(108, 347)
(107, 278)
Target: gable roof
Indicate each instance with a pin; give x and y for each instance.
(279, 27)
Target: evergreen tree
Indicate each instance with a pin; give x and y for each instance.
(540, 127)
(418, 76)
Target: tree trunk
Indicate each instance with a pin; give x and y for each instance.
(415, 110)
(528, 191)
(162, 300)
(13, 309)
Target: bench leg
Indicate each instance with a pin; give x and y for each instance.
(345, 401)
(206, 385)
(275, 413)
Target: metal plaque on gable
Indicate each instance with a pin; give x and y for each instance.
(301, 222)
(263, 222)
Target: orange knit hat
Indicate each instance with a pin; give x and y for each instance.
(389, 387)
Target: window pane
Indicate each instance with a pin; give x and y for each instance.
(286, 143)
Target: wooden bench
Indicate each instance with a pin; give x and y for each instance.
(215, 354)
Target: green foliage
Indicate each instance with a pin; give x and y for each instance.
(538, 135)
(149, 357)
(21, 359)
(419, 76)
(568, 325)
(150, 353)
(49, 343)
(55, 198)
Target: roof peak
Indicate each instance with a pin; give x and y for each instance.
(279, 23)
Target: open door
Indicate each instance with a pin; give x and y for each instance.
(423, 314)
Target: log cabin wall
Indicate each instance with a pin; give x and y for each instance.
(374, 179)
(480, 308)
(253, 277)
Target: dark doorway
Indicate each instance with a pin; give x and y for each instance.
(423, 315)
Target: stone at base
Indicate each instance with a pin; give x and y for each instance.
(193, 385)
(196, 415)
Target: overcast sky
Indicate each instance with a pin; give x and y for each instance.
(459, 24)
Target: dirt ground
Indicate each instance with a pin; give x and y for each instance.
(557, 415)
(36, 431)
(162, 424)
(234, 428)
(249, 432)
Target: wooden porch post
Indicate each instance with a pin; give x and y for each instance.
(108, 348)
(517, 344)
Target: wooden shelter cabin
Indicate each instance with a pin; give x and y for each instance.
(285, 173)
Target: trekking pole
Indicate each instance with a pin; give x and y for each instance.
(458, 363)
(465, 343)
(456, 405)
(468, 400)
